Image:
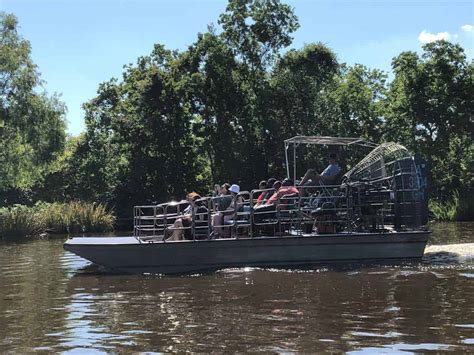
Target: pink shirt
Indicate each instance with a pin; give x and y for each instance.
(282, 191)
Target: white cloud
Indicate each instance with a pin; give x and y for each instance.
(467, 28)
(427, 37)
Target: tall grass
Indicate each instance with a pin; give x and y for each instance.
(446, 210)
(72, 217)
(76, 217)
(19, 220)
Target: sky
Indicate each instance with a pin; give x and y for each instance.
(77, 44)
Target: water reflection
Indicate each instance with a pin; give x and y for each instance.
(452, 233)
(53, 301)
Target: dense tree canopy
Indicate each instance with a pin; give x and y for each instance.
(220, 110)
(429, 108)
(32, 127)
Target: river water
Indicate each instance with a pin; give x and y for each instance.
(53, 301)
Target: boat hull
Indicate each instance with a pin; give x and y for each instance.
(128, 254)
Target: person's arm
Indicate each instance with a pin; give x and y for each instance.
(311, 174)
(272, 200)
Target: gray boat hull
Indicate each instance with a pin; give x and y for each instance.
(128, 254)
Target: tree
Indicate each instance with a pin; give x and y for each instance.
(359, 98)
(429, 109)
(32, 126)
(257, 29)
(299, 85)
(137, 147)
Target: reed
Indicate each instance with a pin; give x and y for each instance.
(448, 210)
(76, 217)
(19, 220)
(64, 218)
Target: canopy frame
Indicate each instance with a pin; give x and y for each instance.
(320, 140)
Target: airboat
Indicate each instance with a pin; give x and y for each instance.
(375, 212)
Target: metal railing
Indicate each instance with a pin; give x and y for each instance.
(390, 203)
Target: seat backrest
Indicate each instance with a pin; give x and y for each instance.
(222, 203)
(289, 200)
(201, 222)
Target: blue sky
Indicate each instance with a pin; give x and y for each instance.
(79, 44)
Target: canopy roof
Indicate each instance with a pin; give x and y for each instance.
(324, 140)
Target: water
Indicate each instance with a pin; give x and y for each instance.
(52, 301)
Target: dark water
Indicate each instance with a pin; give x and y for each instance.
(53, 301)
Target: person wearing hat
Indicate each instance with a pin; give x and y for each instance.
(220, 218)
(234, 189)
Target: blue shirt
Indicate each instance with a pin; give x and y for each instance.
(331, 170)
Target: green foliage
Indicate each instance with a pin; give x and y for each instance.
(257, 30)
(447, 210)
(75, 217)
(31, 124)
(220, 111)
(19, 221)
(429, 109)
(72, 217)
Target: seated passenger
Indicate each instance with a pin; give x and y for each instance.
(287, 188)
(276, 185)
(178, 231)
(221, 217)
(265, 211)
(328, 176)
(269, 193)
(223, 200)
(261, 197)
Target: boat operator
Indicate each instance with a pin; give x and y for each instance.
(328, 176)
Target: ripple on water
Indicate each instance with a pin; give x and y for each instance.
(56, 302)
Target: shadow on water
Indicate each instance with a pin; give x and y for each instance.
(433, 260)
(442, 257)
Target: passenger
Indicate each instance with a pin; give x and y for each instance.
(224, 199)
(221, 217)
(261, 197)
(287, 188)
(276, 185)
(269, 193)
(328, 176)
(268, 209)
(225, 188)
(237, 201)
(185, 221)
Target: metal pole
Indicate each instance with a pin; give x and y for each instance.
(287, 162)
(294, 163)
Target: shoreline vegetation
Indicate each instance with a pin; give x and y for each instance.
(219, 111)
(55, 218)
(448, 210)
